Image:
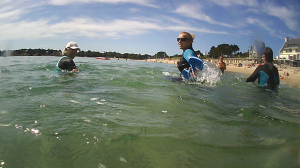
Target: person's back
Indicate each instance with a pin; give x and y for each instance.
(66, 63)
(267, 74)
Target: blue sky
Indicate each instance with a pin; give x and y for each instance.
(146, 26)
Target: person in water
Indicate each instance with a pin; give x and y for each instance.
(185, 41)
(221, 64)
(267, 74)
(189, 63)
(66, 62)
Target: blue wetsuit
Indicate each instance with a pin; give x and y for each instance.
(267, 75)
(189, 59)
(66, 63)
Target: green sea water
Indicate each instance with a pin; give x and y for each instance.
(130, 114)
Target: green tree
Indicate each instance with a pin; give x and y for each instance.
(225, 49)
(30, 52)
(234, 48)
(161, 54)
(198, 52)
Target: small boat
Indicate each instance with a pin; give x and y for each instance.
(103, 58)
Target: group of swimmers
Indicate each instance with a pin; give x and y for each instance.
(266, 74)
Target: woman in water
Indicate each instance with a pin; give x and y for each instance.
(189, 62)
(185, 41)
(66, 62)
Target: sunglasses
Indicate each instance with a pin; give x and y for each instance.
(182, 39)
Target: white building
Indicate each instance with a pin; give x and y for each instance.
(290, 51)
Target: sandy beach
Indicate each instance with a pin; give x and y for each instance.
(292, 79)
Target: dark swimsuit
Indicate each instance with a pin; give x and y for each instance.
(267, 75)
(66, 63)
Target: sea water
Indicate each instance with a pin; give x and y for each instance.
(118, 113)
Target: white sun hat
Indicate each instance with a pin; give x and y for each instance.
(72, 45)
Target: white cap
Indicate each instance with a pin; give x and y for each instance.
(72, 45)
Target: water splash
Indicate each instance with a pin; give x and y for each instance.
(210, 73)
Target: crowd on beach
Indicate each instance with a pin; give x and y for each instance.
(267, 74)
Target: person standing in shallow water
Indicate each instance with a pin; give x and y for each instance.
(267, 74)
(69, 53)
(185, 41)
(221, 64)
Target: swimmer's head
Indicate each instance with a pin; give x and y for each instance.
(268, 54)
(71, 49)
(185, 40)
(221, 57)
(191, 36)
(73, 45)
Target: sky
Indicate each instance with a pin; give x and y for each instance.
(146, 26)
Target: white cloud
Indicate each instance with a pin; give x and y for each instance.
(287, 15)
(88, 28)
(134, 10)
(262, 24)
(12, 14)
(246, 32)
(285, 34)
(148, 3)
(226, 3)
(11, 10)
(258, 22)
(195, 12)
(3, 2)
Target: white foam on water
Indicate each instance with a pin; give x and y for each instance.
(101, 165)
(169, 74)
(4, 125)
(3, 112)
(122, 159)
(73, 101)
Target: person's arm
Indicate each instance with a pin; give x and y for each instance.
(224, 66)
(193, 60)
(277, 76)
(254, 75)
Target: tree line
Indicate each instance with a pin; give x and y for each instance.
(230, 51)
(215, 52)
(89, 53)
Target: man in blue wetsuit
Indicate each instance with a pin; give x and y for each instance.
(66, 62)
(267, 74)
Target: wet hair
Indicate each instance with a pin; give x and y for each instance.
(191, 35)
(268, 54)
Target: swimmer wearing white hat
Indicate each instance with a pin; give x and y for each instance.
(66, 62)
